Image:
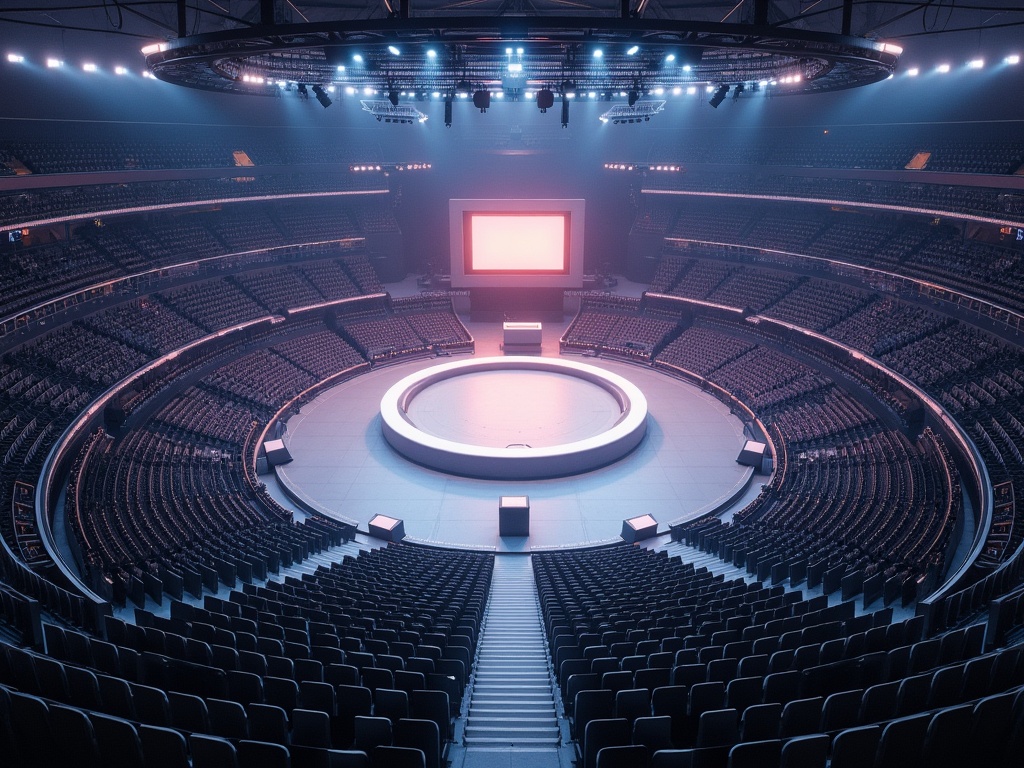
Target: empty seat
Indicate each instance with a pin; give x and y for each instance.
(760, 722)
(227, 719)
(855, 747)
(268, 722)
(398, 757)
(162, 747)
(611, 732)
(633, 703)
(805, 752)
(654, 733)
(756, 754)
(73, 742)
(212, 752)
(372, 732)
(262, 754)
(422, 735)
(117, 741)
(390, 703)
(718, 728)
(622, 757)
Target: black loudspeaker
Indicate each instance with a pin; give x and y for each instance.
(482, 100)
(545, 100)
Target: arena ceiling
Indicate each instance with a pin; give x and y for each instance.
(518, 46)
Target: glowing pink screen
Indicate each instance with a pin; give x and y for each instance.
(517, 242)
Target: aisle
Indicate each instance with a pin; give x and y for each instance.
(512, 719)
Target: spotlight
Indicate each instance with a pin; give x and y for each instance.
(1013, 58)
(632, 51)
(89, 67)
(447, 111)
(913, 72)
(719, 96)
(322, 97)
(393, 50)
(15, 58)
(691, 90)
(670, 58)
(431, 53)
(976, 64)
(54, 63)
(545, 99)
(942, 68)
(120, 71)
(598, 53)
(357, 58)
(482, 100)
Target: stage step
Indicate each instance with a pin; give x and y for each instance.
(512, 703)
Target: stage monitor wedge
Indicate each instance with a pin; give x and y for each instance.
(516, 243)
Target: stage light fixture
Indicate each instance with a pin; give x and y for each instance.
(670, 58)
(913, 72)
(482, 100)
(633, 50)
(393, 50)
(691, 90)
(357, 58)
(545, 99)
(431, 53)
(976, 64)
(120, 70)
(1013, 58)
(54, 63)
(942, 69)
(448, 112)
(15, 58)
(598, 53)
(89, 67)
(321, 96)
(719, 96)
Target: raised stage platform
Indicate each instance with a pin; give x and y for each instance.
(686, 462)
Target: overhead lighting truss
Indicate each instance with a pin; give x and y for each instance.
(640, 112)
(392, 113)
(513, 53)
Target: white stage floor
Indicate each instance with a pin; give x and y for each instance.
(686, 462)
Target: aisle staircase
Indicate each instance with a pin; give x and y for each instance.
(512, 702)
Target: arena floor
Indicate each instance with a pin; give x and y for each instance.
(686, 463)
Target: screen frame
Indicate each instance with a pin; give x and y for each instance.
(462, 274)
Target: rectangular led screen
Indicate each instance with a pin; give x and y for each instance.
(516, 243)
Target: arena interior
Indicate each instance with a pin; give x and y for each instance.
(478, 384)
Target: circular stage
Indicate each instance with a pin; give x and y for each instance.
(686, 463)
(514, 418)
